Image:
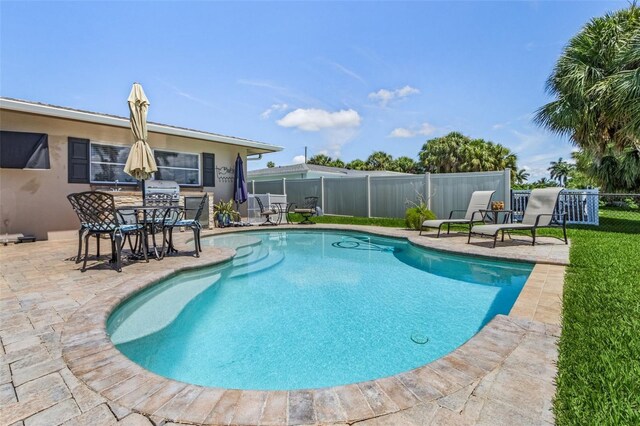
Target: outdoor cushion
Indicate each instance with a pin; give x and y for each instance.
(185, 222)
(129, 228)
(304, 211)
(541, 201)
(492, 229)
(435, 223)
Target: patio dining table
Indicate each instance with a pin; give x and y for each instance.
(151, 221)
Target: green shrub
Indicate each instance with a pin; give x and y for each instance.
(414, 217)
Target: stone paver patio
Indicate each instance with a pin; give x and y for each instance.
(57, 366)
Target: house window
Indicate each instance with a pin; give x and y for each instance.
(20, 150)
(181, 167)
(107, 163)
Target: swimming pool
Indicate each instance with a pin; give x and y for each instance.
(310, 309)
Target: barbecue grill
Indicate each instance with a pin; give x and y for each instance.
(162, 187)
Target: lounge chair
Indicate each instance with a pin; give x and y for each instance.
(538, 214)
(479, 201)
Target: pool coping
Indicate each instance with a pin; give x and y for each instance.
(93, 359)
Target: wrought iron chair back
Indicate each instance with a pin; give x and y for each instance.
(310, 203)
(97, 211)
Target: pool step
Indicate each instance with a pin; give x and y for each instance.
(161, 307)
(265, 262)
(256, 254)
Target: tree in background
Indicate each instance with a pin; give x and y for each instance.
(596, 84)
(379, 160)
(521, 176)
(271, 165)
(454, 153)
(560, 170)
(320, 160)
(356, 164)
(405, 165)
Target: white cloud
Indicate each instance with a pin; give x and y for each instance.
(425, 129)
(273, 108)
(384, 96)
(313, 120)
(348, 72)
(400, 132)
(298, 159)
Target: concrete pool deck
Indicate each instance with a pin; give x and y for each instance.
(57, 366)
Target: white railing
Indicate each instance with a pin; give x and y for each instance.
(580, 205)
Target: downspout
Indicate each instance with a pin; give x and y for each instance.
(259, 157)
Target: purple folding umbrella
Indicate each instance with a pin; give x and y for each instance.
(239, 184)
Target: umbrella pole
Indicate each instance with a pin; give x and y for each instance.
(144, 195)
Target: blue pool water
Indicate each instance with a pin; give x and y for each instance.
(298, 309)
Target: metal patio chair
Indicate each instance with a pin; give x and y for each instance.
(266, 213)
(178, 219)
(307, 210)
(99, 217)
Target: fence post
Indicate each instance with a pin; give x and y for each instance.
(507, 188)
(322, 194)
(253, 186)
(368, 196)
(284, 186)
(427, 189)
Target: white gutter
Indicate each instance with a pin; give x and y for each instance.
(90, 117)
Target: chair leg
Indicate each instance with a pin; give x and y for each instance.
(495, 239)
(533, 236)
(439, 228)
(145, 248)
(564, 231)
(195, 240)
(448, 228)
(86, 251)
(421, 228)
(117, 241)
(164, 243)
(79, 246)
(502, 236)
(98, 244)
(469, 239)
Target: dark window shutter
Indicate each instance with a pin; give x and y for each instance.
(78, 160)
(208, 169)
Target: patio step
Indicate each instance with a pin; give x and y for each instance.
(161, 306)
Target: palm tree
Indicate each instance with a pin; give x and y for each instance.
(337, 163)
(544, 183)
(597, 89)
(405, 165)
(458, 153)
(379, 160)
(521, 176)
(356, 164)
(320, 160)
(271, 165)
(560, 171)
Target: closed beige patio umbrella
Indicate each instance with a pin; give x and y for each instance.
(140, 163)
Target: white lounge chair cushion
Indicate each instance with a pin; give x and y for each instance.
(492, 229)
(435, 223)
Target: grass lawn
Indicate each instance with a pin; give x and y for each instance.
(599, 362)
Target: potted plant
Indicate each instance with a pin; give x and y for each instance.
(224, 213)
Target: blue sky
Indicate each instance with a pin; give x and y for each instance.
(344, 79)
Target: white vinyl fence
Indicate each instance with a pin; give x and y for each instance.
(390, 196)
(580, 205)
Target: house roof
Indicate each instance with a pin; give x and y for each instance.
(38, 108)
(304, 168)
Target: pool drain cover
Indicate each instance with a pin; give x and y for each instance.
(419, 338)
